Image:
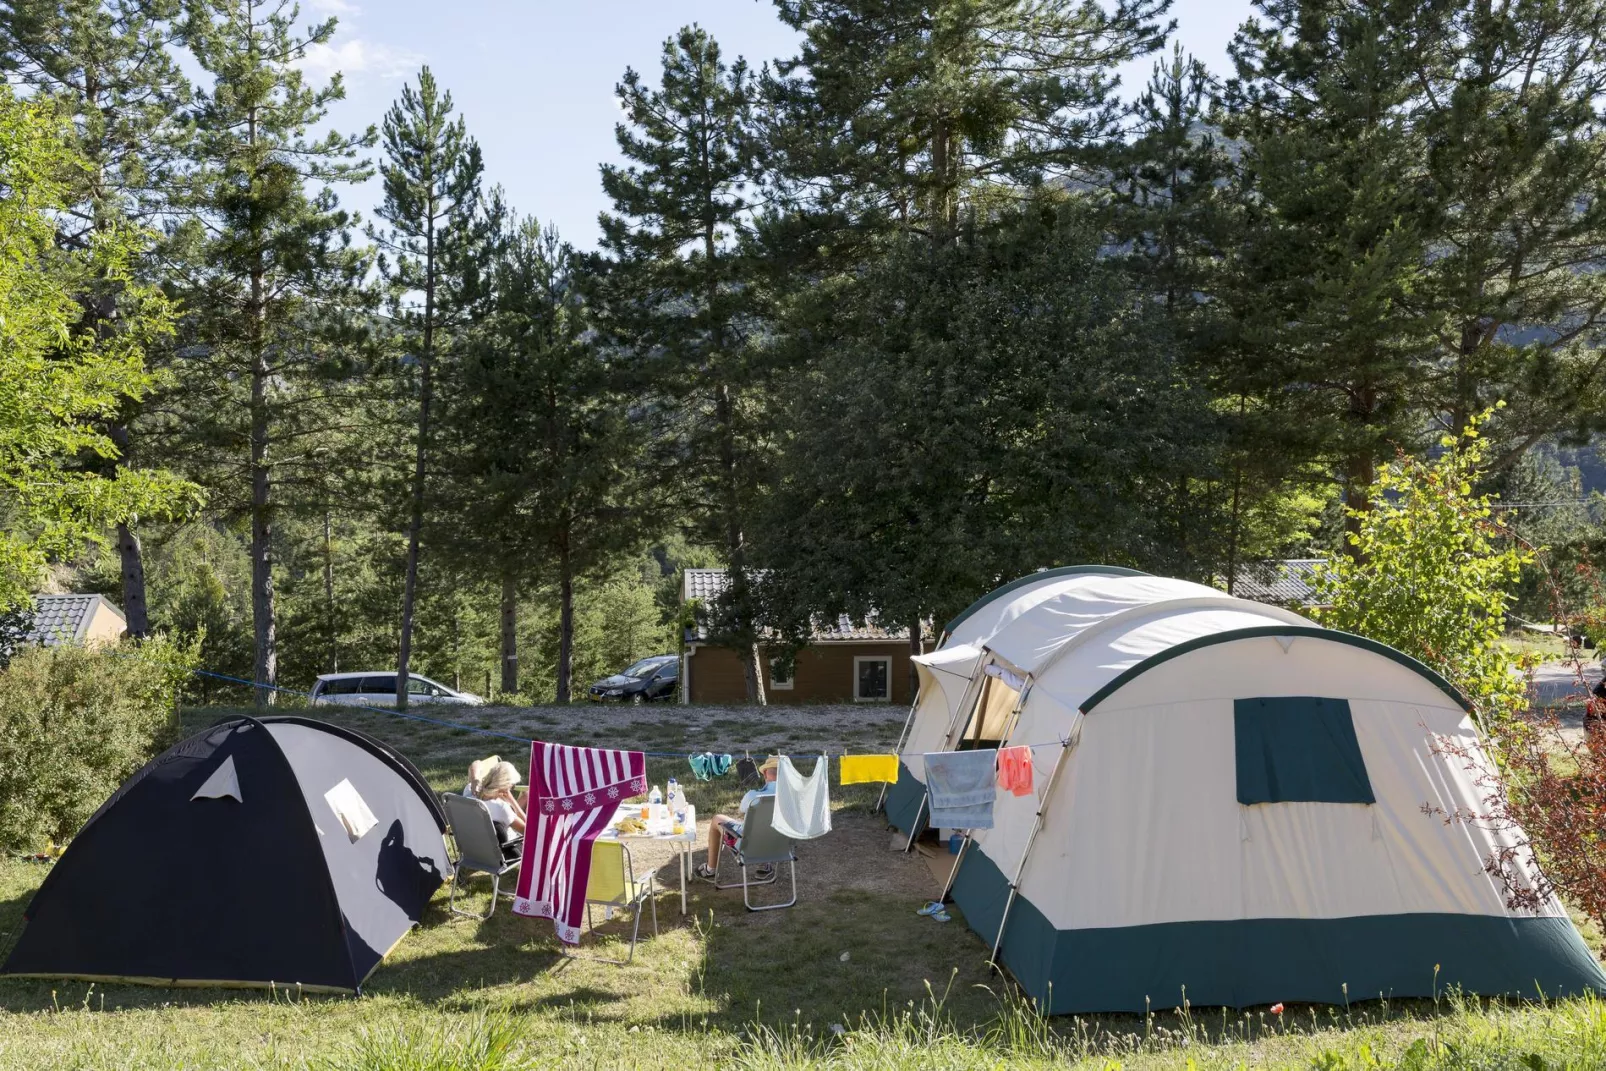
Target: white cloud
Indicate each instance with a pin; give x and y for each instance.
(322, 9)
(358, 58)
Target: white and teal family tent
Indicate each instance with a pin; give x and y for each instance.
(1231, 804)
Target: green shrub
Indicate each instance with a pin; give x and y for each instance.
(74, 724)
(1434, 572)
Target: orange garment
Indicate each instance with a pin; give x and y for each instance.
(1015, 770)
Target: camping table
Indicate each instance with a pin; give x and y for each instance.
(684, 843)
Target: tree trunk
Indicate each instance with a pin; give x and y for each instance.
(753, 674)
(1235, 516)
(133, 567)
(916, 646)
(331, 634)
(1233, 522)
(510, 636)
(415, 524)
(266, 667)
(565, 624)
(743, 625)
(129, 552)
(1360, 470)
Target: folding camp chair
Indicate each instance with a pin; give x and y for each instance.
(758, 845)
(613, 884)
(479, 848)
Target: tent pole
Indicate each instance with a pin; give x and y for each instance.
(908, 723)
(966, 702)
(915, 822)
(1014, 722)
(953, 871)
(1037, 826)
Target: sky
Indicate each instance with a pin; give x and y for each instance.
(534, 79)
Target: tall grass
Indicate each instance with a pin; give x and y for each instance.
(1458, 1035)
(483, 1043)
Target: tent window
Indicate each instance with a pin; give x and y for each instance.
(1298, 749)
(355, 817)
(990, 720)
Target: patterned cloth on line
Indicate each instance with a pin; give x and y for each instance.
(574, 791)
(708, 765)
(860, 768)
(961, 787)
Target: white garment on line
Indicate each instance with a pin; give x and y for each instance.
(803, 804)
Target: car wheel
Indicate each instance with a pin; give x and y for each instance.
(639, 698)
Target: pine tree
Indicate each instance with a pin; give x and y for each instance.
(1336, 236)
(1509, 107)
(269, 274)
(1423, 226)
(676, 294)
(109, 68)
(944, 438)
(895, 114)
(543, 454)
(432, 257)
(1173, 210)
(917, 121)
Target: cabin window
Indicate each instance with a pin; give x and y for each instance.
(872, 680)
(781, 675)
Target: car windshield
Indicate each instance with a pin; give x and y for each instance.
(644, 667)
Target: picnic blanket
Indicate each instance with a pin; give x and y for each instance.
(574, 791)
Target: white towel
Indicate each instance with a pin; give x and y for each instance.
(803, 804)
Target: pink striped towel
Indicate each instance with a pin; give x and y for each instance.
(574, 791)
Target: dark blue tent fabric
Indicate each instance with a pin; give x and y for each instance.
(159, 887)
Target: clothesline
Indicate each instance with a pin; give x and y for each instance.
(460, 726)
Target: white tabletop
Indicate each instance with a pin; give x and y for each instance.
(633, 810)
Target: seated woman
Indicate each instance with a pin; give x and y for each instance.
(491, 781)
(480, 767)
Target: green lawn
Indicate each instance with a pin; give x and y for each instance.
(850, 978)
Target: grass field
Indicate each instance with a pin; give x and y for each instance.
(849, 978)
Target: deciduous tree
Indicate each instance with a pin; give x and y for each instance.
(108, 67)
(59, 378)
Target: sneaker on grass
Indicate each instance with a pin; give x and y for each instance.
(704, 871)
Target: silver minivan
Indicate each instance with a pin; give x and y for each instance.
(373, 689)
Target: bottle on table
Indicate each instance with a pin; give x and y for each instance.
(677, 807)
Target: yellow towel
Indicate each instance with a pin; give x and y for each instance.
(858, 768)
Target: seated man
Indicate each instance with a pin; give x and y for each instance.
(724, 825)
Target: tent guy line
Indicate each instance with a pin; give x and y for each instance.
(492, 732)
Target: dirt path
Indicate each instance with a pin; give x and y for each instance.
(673, 727)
